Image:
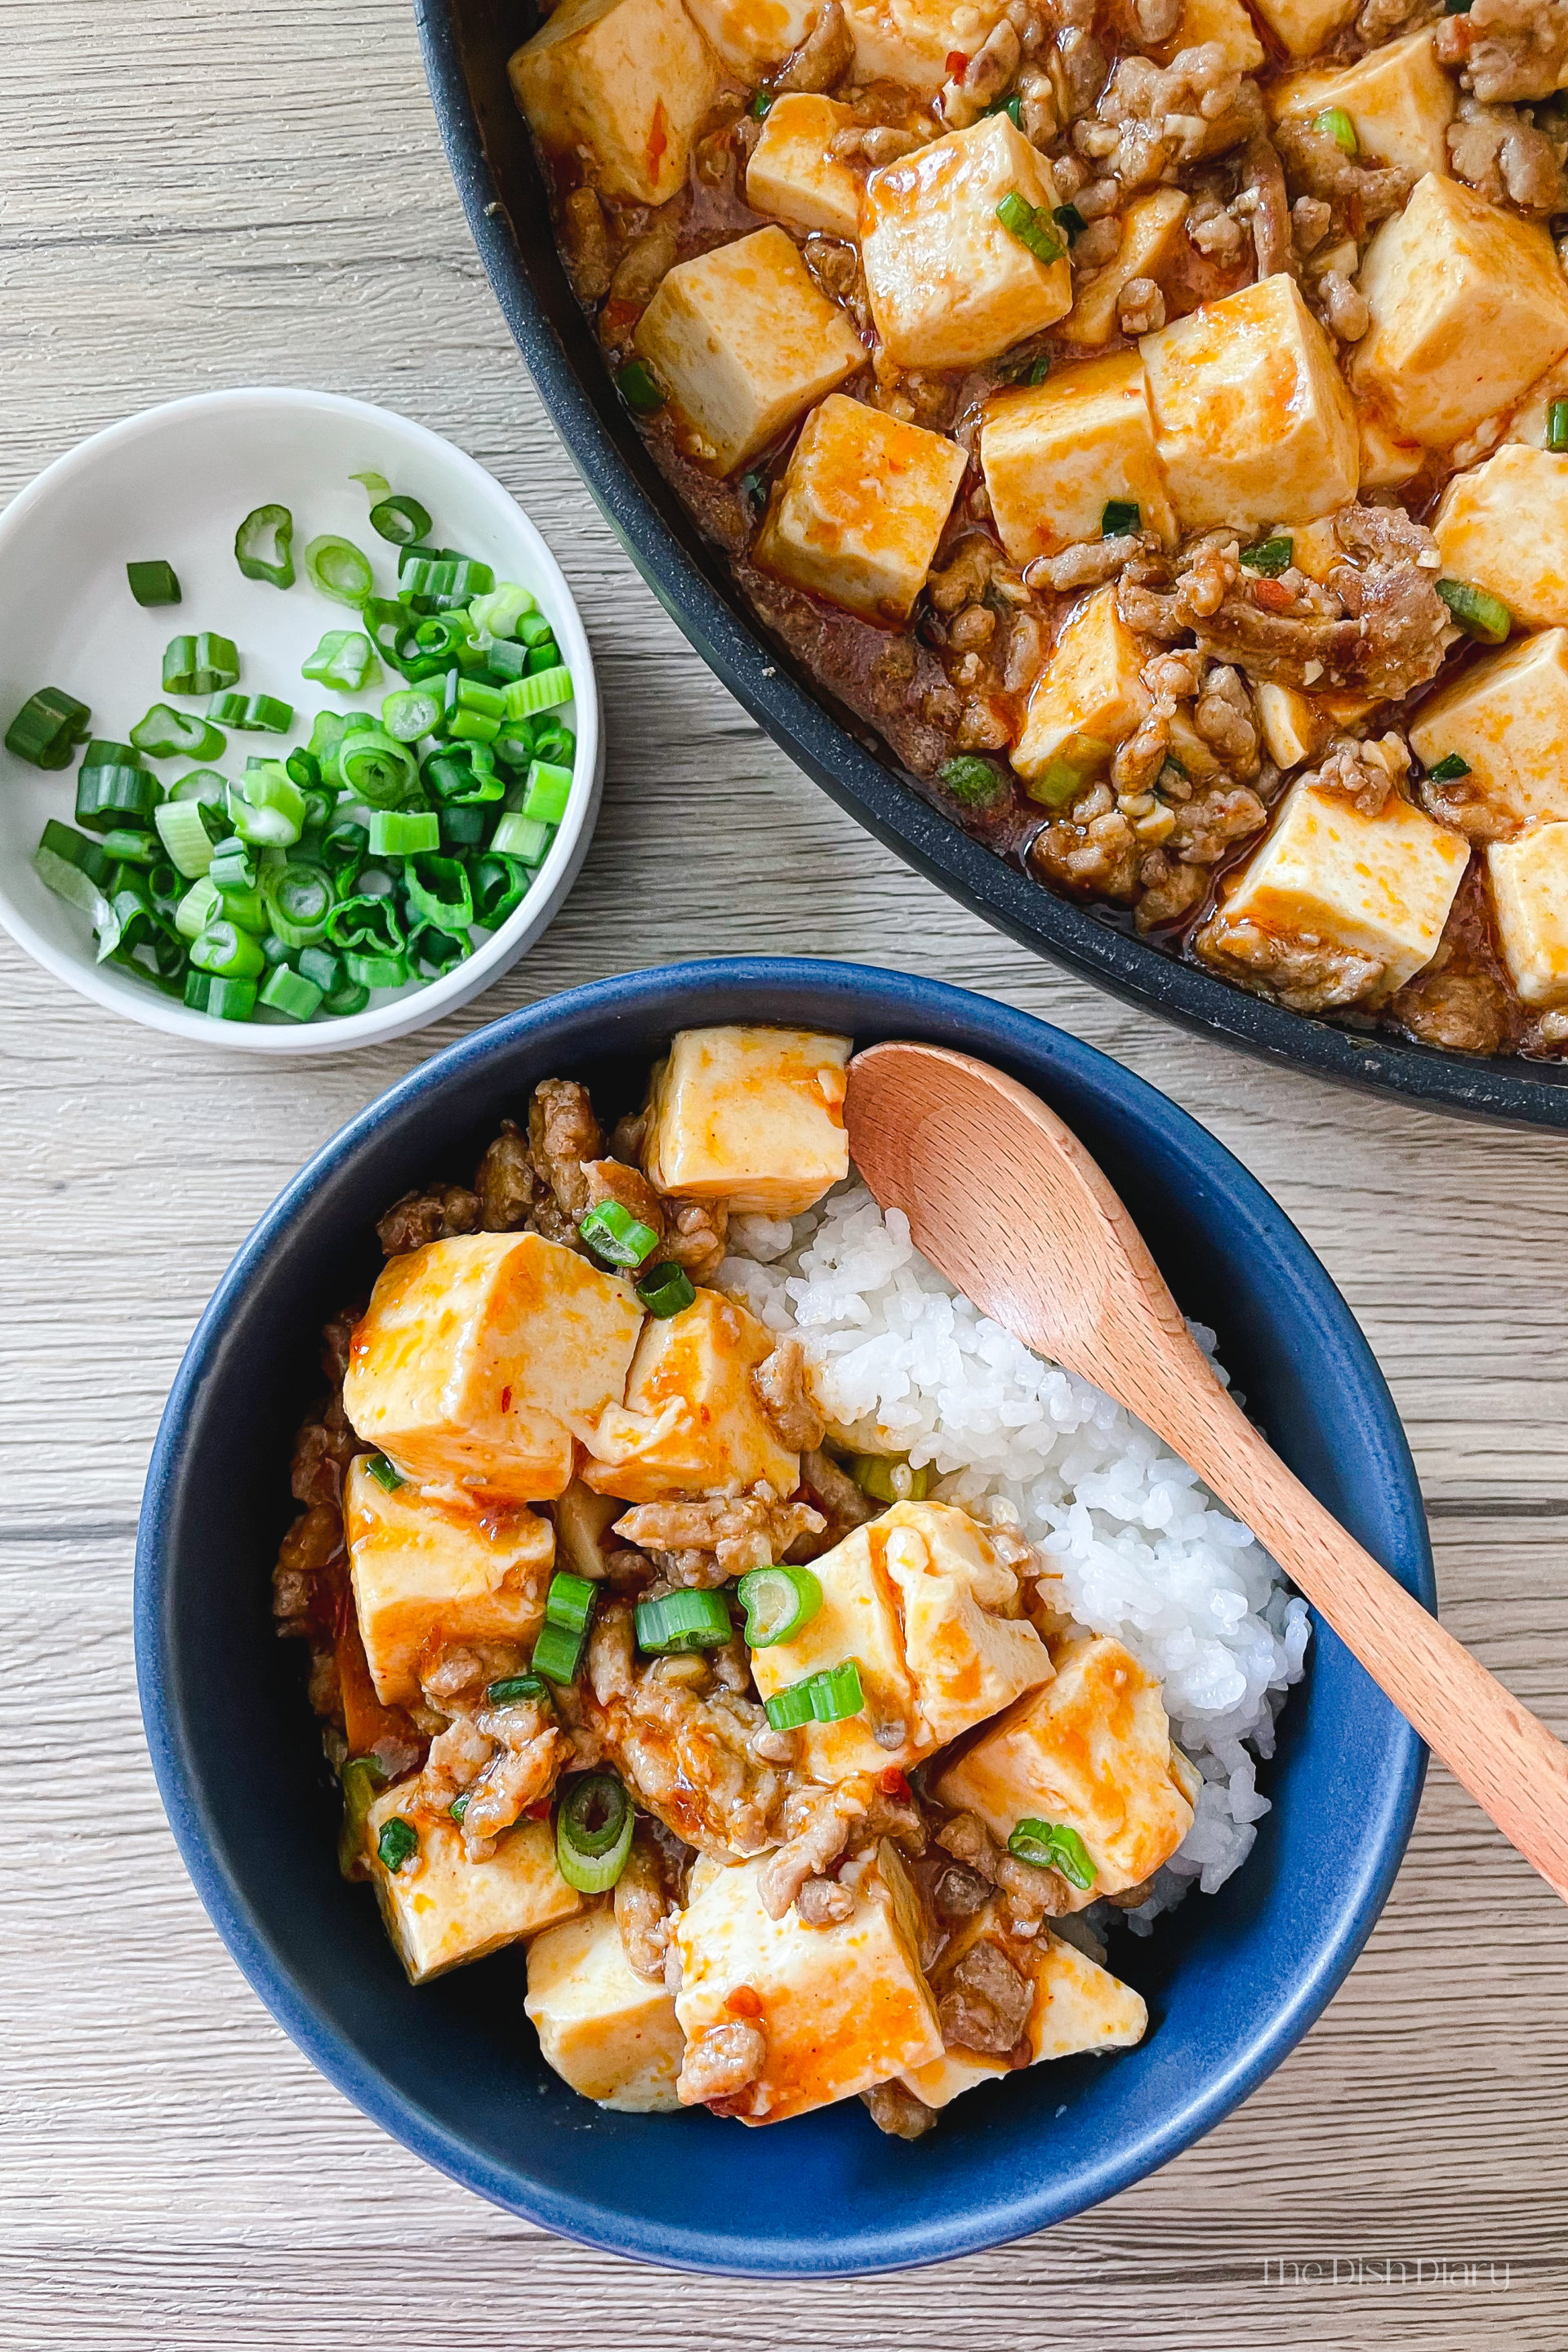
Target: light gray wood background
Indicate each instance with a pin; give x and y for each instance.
(199, 193)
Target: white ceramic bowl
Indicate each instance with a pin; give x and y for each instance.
(175, 482)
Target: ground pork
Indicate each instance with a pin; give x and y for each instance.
(986, 2002)
(703, 1543)
(721, 2062)
(1306, 973)
(1317, 165)
(505, 1182)
(823, 58)
(642, 1908)
(1505, 159)
(434, 1215)
(563, 1133)
(1508, 49)
(1091, 849)
(786, 1398)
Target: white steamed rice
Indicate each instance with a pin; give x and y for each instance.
(1137, 1546)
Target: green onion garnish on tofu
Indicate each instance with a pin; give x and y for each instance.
(1120, 518)
(1476, 611)
(458, 1807)
(1027, 222)
(557, 1654)
(398, 1842)
(682, 1621)
(665, 1290)
(594, 1826)
(262, 546)
(199, 665)
(831, 1696)
(514, 1687)
(48, 727)
(1069, 220)
(1051, 1845)
(1335, 123)
(1269, 556)
(1040, 370)
(1450, 769)
(778, 1602)
(569, 1602)
(973, 783)
(640, 388)
(153, 583)
(613, 1234)
(1557, 426)
(760, 102)
(361, 1777)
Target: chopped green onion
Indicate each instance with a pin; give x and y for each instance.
(1269, 556)
(462, 827)
(375, 769)
(48, 727)
(376, 971)
(299, 899)
(557, 1654)
(252, 714)
(501, 884)
(499, 613)
(344, 658)
(761, 103)
(107, 798)
(101, 753)
(1557, 426)
(321, 965)
(440, 891)
(201, 905)
(1040, 370)
(365, 925)
(830, 1695)
(414, 712)
(400, 521)
(1069, 220)
(594, 1826)
(233, 866)
(444, 580)
(1118, 517)
(363, 1779)
(546, 793)
(569, 1602)
(166, 734)
(395, 833)
(888, 1477)
(534, 629)
(71, 879)
(777, 1602)
(229, 952)
(183, 830)
(290, 993)
(540, 690)
(267, 807)
(1335, 123)
(262, 546)
(398, 1842)
(665, 1290)
(153, 583)
(131, 847)
(1051, 1845)
(543, 658)
(1028, 223)
(337, 570)
(514, 1687)
(520, 836)
(385, 1474)
(553, 742)
(77, 849)
(1449, 769)
(683, 1621)
(472, 694)
(1013, 108)
(199, 665)
(1457, 7)
(973, 783)
(306, 770)
(348, 998)
(1476, 611)
(226, 999)
(204, 786)
(432, 953)
(613, 1234)
(640, 388)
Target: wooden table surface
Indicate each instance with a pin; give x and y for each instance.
(200, 193)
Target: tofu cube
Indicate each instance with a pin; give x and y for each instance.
(1227, 24)
(948, 285)
(920, 1597)
(481, 1358)
(1532, 420)
(840, 2006)
(791, 175)
(1092, 1750)
(1078, 2006)
(1505, 527)
(442, 1910)
(605, 2031)
(1385, 461)
(1252, 419)
(862, 505)
(1295, 725)
(751, 1115)
(1151, 239)
(752, 33)
(1398, 98)
(1304, 26)
(629, 80)
(1528, 878)
(1087, 699)
(910, 41)
(430, 1568)
(1507, 716)
(1375, 885)
(1055, 453)
(1469, 306)
(692, 1421)
(742, 341)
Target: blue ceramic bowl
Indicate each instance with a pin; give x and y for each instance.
(1233, 1982)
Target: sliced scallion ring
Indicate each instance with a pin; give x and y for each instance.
(299, 899)
(401, 521)
(682, 1621)
(338, 570)
(777, 1602)
(830, 1695)
(594, 1826)
(1052, 1845)
(262, 545)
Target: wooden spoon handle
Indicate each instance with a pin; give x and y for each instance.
(1512, 1766)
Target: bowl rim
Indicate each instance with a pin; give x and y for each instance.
(688, 578)
(240, 1923)
(416, 1010)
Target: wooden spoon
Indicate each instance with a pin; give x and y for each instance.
(1003, 1198)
